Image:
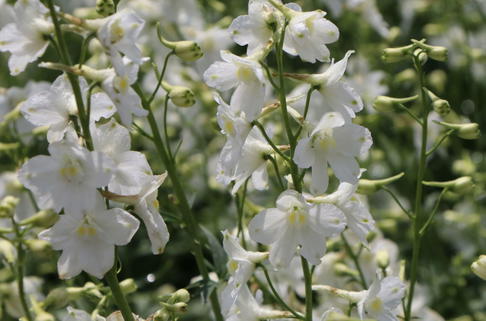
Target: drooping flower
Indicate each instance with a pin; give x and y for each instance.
(335, 142)
(55, 106)
(68, 178)
(88, 237)
(246, 75)
(25, 38)
(295, 223)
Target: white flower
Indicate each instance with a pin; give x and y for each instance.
(254, 29)
(120, 33)
(358, 218)
(131, 168)
(337, 143)
(25, 38)
(382, 299)
(246, 75)
(479, 267)
(118, 86)
(336, 94)
(307, 33)
(68, 178)
(241, 264)
(294, 222)
(55, 106)
(87, 238)
(238, 166)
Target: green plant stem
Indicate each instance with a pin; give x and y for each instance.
(439, 142)
(395, 198)
(277, 171)
(354, 257)
(270, 142)
(434, 210)
(240, 206)
(19, 265)
(416, 222)
(112, 280)
(161, 77)
(183, 204)
(306, 110)
(308, 289)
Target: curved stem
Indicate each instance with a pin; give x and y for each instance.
(161, 77)
(277, 171)
(395, 198)
(434, 210)
(354, 257)
(308, 289)
(439, 142)
(112, 280)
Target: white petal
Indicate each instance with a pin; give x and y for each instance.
(345, 168)
(283, 250)
(327, 219)
(260, 177)
(304, 155)
(117, 225)
(266, 225)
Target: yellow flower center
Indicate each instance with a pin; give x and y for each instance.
(297, 216)
(245, 74)
(376, 305)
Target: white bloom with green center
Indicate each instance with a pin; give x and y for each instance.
(131, 167)
(246, 75)
(382, 299)
(241, 264)
(25, 38)
(307, 33)
(336, 143)
(295, 223)
(254, 29)
(358, 217)
(55, 106)
(87, 238)
(67, 179)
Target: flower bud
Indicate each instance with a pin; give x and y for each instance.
(7, 250)
(440, 106)
(343, 270)
(187, 50)
(479, 267)
(37, 245)
(395, 54)
(7, 206)
(105, 8)
(181, 96)
(161, 315)
(382, 259)
(388, 104)
(179, 307)
(460, 185)
(437, 53)
(367, 186)
(421, 55)
(128, 286)
(464, 131)
(181, 295)
(44, 218)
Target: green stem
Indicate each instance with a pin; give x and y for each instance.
(277, 171)
(395, 198)
(306, 110)
(240, 205)
(354, 257)
(308, 289)
(270, 142)
(161, 77)
(434, 210)
(20, 270)
(183, 204)
(439, 142)
(418, 194)
(120, 299)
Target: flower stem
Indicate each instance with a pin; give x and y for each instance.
(120, 299)
(418, 194)
(354, 257)
(308, 289)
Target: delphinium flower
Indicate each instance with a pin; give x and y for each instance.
(307, 32)
(295, 223)
(68, 178)
(25, 38)
(335, 142)
(55, 107)
(87, 237)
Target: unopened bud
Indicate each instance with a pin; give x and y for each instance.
(40, 313)
(368, 186)
(181, 96)
(7, 250)
(464, 131)
(459, 185)
(187, 50)
(161, 315)
(382, 259)
(479, 267)
(7, 206)
(440, 106)
(37, 245)
(105, 8)
(179, 307)
(181, 295)
(389, 104)
(343, 270)
(437, 53)
(44, 218)
(128, 286)
(396, 54)
(421, 55)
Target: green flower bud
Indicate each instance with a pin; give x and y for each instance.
(395, 54)
(105, 8)
(187, 50)
(128, 286)
(459, 185)
(437, 53)
(343, 270)
(421, 55)
(7, 250)
(181, 96)
(382, 259)
(479, 267)
(161, 315)
(367, 186)
(179, 307)
(464, 131)
(7, 206)
(389, 104)
(44, 218)
(181, 295)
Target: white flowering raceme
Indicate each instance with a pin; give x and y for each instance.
(294, 222)
(88, 237)
(55, 106)
(246, 75)
(335, 94)
(335, 142)
(131, 167)
(68, 178)
(241, 264)
(382, 299)
(118, 86)
(256, 28)
(358, 218)
(25, 38)
(237, 167)
(120, 33)
(307, 33)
